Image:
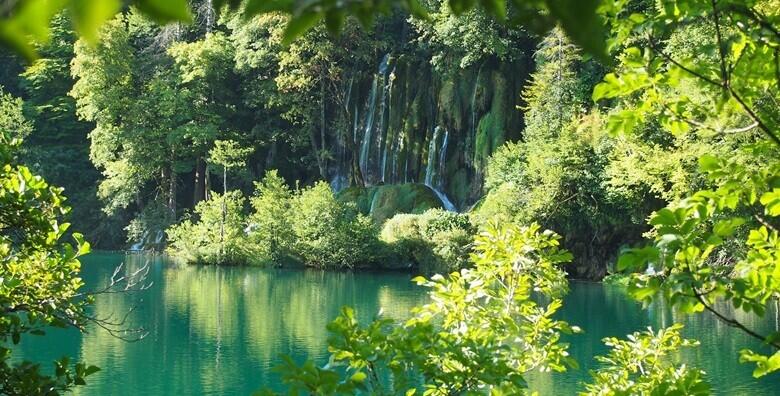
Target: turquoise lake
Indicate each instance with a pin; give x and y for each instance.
(220, 331)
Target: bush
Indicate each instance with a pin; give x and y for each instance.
(329, 233)
(308, 225)
(202, 241)
(269, 231)
(436, 241)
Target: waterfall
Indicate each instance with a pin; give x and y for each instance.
(159, 237)
(339, 182)
(431, 167)
(139, 246)
(387, 100)
(445, 200)
(443, 157)
(365, 144)
(377, 101)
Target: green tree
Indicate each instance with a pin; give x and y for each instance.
(269, 226)
(717, 85)
(437, 241)
(203, 73)
(215, 234)
(227, 154)
(13, 124)
(641, 366)
(39, 271)
(29, 21)
(480, 333)
(330, 233)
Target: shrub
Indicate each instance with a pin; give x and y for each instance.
(204, 241)
(308, 225)
(330, 233)
(437, 241)
(269, 230)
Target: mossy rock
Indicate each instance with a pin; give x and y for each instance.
(384, 202)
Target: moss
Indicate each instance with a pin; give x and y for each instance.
(459, 187)
(384, 202)
(360, 196)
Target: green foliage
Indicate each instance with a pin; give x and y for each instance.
(437, 241)
(228, 154)
(694, 69)
(465, 39)
(558, 175)
(270, 232)
(308, 225)
(692, 258)
(480, 334)
(641, 366)
(330, 233)
(13, 124)
(39, 273)
(717, 81)
(197, 240)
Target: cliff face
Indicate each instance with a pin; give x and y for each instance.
(410, 124)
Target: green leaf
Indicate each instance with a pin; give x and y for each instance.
(254, 7)
(582, 24)
(89, 16)
(91, 370)
(497, 8)
(623, 122)
(771, 202)
(298, 25)
(164, 11)
(725, 228)
(637, 258)
(709, 163)
(664, 217)
(358, 377)
(28, 25)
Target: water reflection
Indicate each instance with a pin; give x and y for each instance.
(219, 331)
(605, 311)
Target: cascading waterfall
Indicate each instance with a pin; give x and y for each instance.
(388, 100)
(369, 127)
(431, 168)
(139, 246)
(395, 111)
(445, 200)
(376, 102)
(443, 157)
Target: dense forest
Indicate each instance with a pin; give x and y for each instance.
(440, 139)
(461, 113)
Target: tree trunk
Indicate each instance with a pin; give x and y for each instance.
(323, 130)
(199, 193)
(172, 193)
(317, 152)
(224, 214)
(206, 183)
(271, 156)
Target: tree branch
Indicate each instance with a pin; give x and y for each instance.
(733, 322)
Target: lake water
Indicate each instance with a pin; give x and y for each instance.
(219, 331)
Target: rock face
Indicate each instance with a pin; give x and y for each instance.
(410, 124)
